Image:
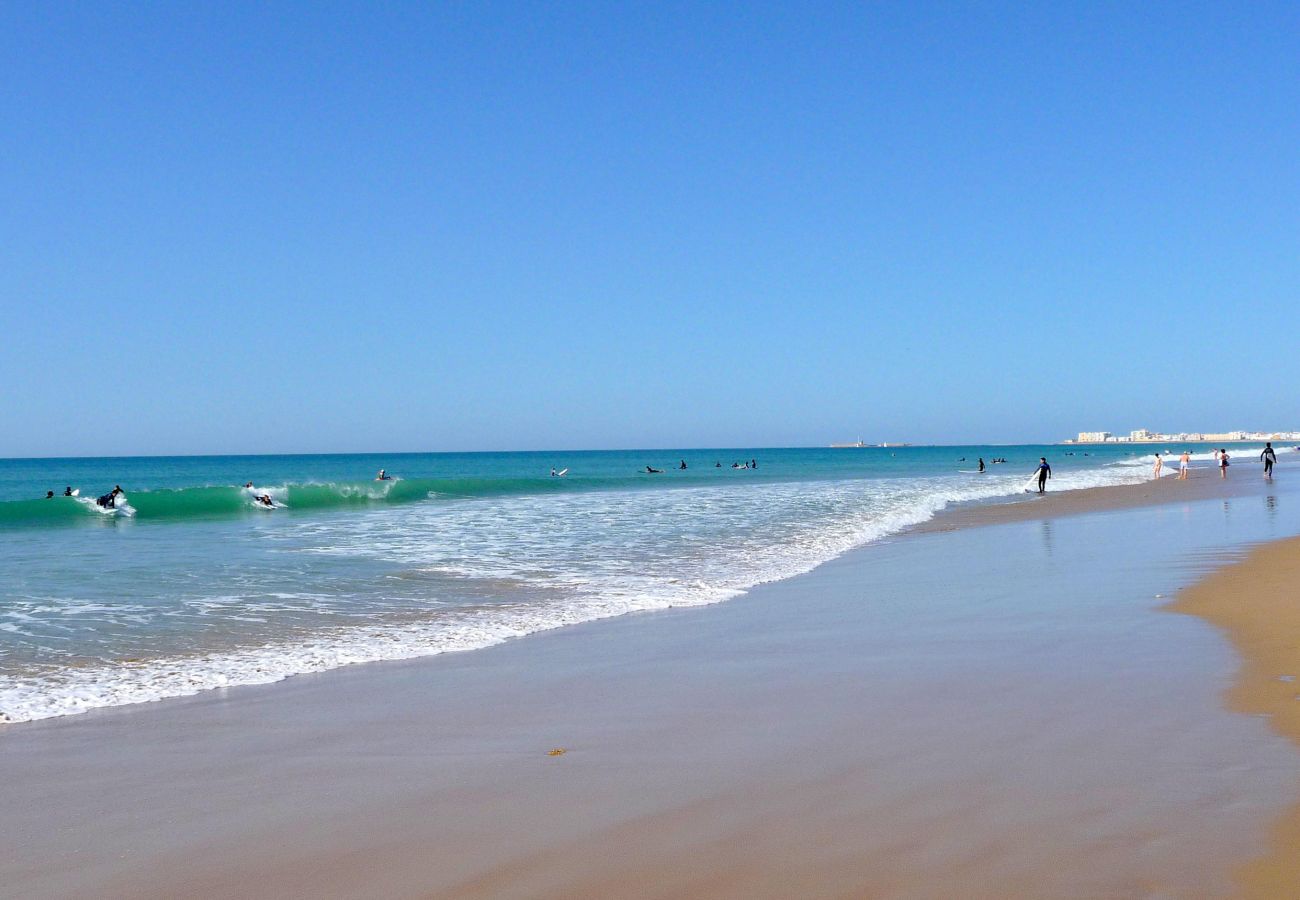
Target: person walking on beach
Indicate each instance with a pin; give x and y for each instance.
(1223, 463)
(1182, 464)
(1269, 458)
(1044, 473)
(1160, 464)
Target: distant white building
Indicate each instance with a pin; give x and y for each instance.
(1140, 435)
(1093, 437)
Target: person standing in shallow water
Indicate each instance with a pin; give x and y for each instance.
(1269, 457)
(1223, 463)
(1044, 473)
(1183, 462)
(1160, 464)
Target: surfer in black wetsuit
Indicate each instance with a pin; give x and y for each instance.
(1269, 458)
(1044, 473)
(67, 491)
(981, 464)
(683, 465)
(49, 495)
(652, 471)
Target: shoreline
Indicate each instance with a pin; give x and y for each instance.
(1253, 602)
(1202, 484)
(727, 750)
(173, 679)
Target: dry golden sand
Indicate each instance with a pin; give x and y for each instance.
(1257, 601)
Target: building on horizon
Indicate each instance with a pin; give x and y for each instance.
(1144, 436)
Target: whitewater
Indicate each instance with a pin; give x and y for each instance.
(196, 590)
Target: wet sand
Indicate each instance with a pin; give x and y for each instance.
(982, 712)
(1257, 602)
(1203, 483)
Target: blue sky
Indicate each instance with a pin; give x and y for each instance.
(327, 227)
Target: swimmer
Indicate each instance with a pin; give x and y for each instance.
(49, 495)
(553, 472)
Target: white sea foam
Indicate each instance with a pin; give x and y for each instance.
(121, 506)
(516, 565)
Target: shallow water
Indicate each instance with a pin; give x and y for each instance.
(188, 585)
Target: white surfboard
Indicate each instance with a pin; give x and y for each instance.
(561, 473)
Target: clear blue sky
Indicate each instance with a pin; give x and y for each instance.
(324, 227)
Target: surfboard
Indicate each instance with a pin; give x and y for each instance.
(1032, 486)
(971, 471)
(562, 472)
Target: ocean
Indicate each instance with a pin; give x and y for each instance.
(190, 584)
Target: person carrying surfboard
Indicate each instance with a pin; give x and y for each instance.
(1269, 458)
(1044, 473)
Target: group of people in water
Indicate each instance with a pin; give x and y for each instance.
(1222, 459)
(106, 501)
(751, 464)
(992, 462)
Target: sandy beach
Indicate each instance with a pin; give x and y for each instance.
(1021, 720)
(1254, 601)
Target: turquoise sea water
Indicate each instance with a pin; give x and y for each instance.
(189, 584)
